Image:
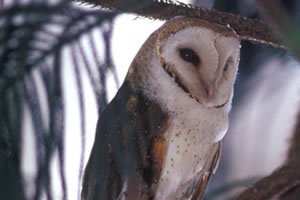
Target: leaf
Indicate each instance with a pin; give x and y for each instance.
(33, 37)
(24, 26)
(248, 29)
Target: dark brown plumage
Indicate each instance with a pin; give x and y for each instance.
(129, 143)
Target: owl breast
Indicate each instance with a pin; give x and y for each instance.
(193, 132)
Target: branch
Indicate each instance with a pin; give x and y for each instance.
(248, 29)
(278, 184)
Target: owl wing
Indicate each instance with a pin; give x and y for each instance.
(210, 168)
(129, 149)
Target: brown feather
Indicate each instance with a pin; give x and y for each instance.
(129, 148)
(209, 169)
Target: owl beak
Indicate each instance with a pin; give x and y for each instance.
(210, 91)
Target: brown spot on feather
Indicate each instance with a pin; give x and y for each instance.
(158, 153)
(150, 124)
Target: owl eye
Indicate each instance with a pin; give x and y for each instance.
(227, 64)
(189, 56)
(226, 67)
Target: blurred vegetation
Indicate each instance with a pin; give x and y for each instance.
(33, 36)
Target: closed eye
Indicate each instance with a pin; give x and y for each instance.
(227, 65)
(189, 55)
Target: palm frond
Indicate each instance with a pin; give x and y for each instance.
(33, 38)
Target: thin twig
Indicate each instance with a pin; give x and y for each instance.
(81, 111)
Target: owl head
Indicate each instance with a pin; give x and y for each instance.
(200, 58)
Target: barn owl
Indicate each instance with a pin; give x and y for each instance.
(160, 137)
